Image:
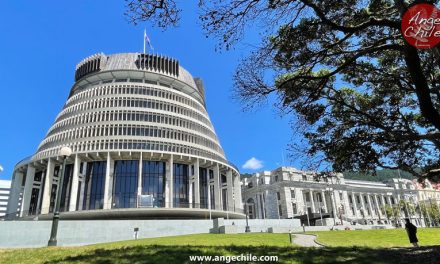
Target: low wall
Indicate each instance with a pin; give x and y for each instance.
(263, 225)
(83, 232)
(15, 234)
(340, 227)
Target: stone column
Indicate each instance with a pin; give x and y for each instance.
(47, 186)
(139, 189)
(197, 183)
(311, 201)
(29, 183)
(208, 182)
(169, 191)
(353, 198)
(372, 213)
(258, 207)
(382, 199)
(378, 206)
(74, 186)
(217, 189)
(83, 183)
(361, 196)
(190, 187)
(324, 201)
(237, 191)
(230, 199)
(338, 203)
(108, 188)
(14, 198)
(347, 208)
(389, 200)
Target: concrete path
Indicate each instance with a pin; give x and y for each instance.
(305, 240)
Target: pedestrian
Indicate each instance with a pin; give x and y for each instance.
(411, 230)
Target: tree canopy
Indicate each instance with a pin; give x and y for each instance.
(362, 97)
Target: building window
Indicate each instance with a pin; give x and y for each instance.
(181, 185)
(250, 185)
(94, 185)
(294, 209)
(38, 176)
(223, 178)
(292, 194)
(203, 186)
(278, 196)
(153, 181)
(125, 184)
(34, 201)
(276, 178)
(65, 192)
(318, 198)
(357, 199)
(340, 196)
(280, 210)
(212, 196)
(225, 199)
(307, 197)
(304, 177)
(350, 200)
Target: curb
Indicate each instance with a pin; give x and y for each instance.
(317, 242)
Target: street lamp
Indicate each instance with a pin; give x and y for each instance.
(247, 229)
(65, 152)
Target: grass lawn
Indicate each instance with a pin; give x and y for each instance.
(377, 238)
(178, 249)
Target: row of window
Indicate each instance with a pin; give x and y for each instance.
(128, 130)
(126, 144)
(134, 102)
(91, 184)
(133, 89)
(120, 115)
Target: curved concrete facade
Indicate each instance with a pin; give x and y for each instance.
(141, 139)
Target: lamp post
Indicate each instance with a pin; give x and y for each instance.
(247, 229)
(65, 152)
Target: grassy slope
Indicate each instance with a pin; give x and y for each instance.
(377, 238)
(178, 249)
(154, 250)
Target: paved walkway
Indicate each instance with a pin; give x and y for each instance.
(305, 240)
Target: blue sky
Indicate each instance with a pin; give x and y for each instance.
(42, 41)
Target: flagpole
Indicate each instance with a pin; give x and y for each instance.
(145, 33)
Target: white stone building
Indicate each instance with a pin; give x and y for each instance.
(5, 187)
(142, 144)
(289, 193)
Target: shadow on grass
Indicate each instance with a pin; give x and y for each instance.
(180, 254)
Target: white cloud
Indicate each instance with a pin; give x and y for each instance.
(253, 164)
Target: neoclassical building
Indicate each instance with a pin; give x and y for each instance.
(290, 193)
(5, 187)
(143, 146)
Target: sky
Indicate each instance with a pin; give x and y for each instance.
(42, 41)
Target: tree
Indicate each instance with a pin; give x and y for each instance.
(431, 212)
(362, 97)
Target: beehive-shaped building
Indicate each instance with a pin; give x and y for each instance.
(143, 146)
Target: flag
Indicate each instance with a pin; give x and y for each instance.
(147, 40)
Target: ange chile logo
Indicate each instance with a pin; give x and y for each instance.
(421, 26)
